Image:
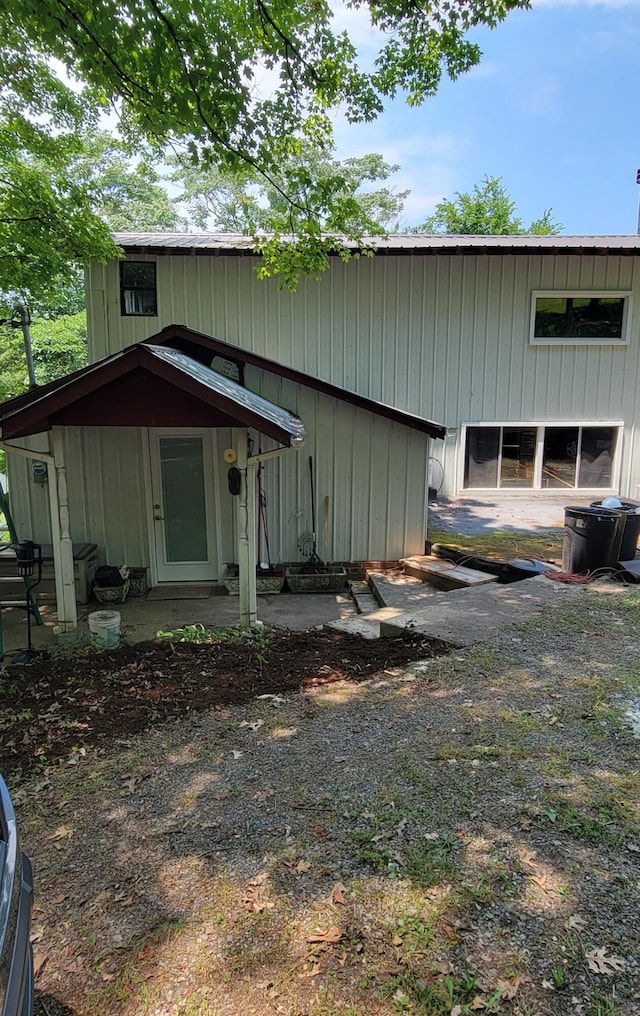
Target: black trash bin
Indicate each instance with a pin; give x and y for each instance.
(592, 538)
(631, 531)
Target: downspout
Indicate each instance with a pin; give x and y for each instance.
(66, 608)
(247, 551)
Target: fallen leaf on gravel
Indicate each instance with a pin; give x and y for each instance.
(59, 899)
(548, 985)
(337, 894)
(39, 961)
(478, 1003)
(252, 901)
(542, 881)
(528, 862)
(602, 964)
(634, 848)
(576, 922)
(259, 879)
(331, 935)
(303, 866)
(61, 833)
(401, 826)
(147, 953)
(509, 989)
(313, 972)
(252, 724)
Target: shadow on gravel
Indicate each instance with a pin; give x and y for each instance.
(47, 1005)
(452, 842)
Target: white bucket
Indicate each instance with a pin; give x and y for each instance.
(105, 626)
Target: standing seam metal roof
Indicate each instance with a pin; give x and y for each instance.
(236, 243)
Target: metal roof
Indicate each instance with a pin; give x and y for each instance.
(230, 404)
(238, 244)
(231, 390)
(197, 344)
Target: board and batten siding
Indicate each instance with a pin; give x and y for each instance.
(446, 337)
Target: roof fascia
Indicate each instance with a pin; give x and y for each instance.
(226, 349)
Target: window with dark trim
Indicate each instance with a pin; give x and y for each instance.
(138, 289)
(541, 457)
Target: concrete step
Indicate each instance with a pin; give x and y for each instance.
(395, 589)
(361, 625)
(464, 616)
(444, 574)
(363, 597)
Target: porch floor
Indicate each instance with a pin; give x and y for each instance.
(142, 618)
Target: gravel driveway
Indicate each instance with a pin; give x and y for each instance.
(447, 838)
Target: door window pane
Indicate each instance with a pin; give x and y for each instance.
(183, 496)
(596, 456)
(560, 457)
(518, 456)
(481, 457)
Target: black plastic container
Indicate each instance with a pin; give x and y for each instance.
(592, 538)
(631, 531)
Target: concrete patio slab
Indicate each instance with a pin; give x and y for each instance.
(523, 513)
(464, 616)
(141, 619)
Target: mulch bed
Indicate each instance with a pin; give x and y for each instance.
(55, 710)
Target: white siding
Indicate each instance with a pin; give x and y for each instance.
(446, 337)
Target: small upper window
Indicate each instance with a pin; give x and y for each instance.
(138, 291)
(579, 318)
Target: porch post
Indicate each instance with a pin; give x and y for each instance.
(61, 539)
(246, 533)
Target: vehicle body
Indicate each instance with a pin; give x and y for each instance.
(16, 901)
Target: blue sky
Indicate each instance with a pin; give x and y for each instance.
(553, 109)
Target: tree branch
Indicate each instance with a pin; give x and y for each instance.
(244, 156)
(122, 75)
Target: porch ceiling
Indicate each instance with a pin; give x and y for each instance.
(147, 386)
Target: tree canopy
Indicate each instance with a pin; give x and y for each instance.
(486, 210)
(230, 83)
(245, 202)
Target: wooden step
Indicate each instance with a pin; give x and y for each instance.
(444, 574)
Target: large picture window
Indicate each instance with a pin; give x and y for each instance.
(549, 457)
(138, 290)
(566, 318)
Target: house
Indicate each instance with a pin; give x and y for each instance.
(526, 348)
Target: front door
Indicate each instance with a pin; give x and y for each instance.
(181, 464)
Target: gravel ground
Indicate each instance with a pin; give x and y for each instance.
(456, 836)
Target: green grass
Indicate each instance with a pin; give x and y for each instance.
(502, 545)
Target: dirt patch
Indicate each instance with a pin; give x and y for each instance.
(60, 708)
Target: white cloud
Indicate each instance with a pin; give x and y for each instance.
(357, 23)
(430, 164)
